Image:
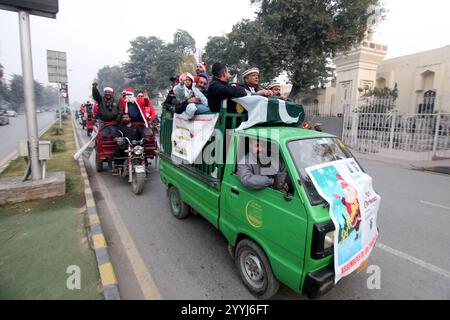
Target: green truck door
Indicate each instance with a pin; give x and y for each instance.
(277, 225)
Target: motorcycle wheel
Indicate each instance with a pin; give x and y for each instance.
(138, 183)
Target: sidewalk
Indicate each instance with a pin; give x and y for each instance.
(43, 242)
(438, 166)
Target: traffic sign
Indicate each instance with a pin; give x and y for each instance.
(57, 66)
(44, 8)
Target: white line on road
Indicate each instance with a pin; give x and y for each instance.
(435, 205)
(414, 260)
(141, 272)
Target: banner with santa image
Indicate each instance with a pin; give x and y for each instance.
(190, 136)
(354, 208)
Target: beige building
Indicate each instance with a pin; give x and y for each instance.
(423, 80)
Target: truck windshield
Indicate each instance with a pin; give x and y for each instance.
(311, 152)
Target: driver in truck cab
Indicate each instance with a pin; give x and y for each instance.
(257, 170)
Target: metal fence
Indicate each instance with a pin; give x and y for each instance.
(412, 136)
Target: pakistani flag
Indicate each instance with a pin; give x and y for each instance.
(269, 110)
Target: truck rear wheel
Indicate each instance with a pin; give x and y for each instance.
(255, 270)
(180, 210)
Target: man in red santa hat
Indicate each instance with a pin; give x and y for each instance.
(140, 110)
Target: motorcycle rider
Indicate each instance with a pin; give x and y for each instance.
(129, 130)
(109, 109)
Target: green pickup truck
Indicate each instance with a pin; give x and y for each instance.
(276, 236)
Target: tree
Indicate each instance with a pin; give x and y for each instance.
(152, 61)
(113, 77)
(144, 55)
(16, 94)
(183, 42)
(50, 96)
(308, 33)
(299, 37)
(4, 91)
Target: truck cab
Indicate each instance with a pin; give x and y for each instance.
(280, 234)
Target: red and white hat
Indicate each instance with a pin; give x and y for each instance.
(129, 91)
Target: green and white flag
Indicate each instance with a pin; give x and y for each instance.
(270, 110)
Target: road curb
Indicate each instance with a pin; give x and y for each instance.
(13, 155)
(96, 235)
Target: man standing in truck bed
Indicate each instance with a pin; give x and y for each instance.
(220, 90)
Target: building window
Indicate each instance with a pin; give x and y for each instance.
(427, 105)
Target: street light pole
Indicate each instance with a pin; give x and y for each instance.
(59, 105)
(28, 88)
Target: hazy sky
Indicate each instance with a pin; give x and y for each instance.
(96, 33)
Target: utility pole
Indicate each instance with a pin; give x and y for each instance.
(28, 86)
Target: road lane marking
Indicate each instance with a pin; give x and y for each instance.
(435, 205)
(414, 260)
(144, 279)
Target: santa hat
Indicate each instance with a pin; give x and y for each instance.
(129, 91)
(108, 89)
(249, 72)
(341, 181)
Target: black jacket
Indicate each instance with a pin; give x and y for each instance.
(135, 132)
(219, 91)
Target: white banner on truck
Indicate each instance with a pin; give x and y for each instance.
(354, 208)
(189, 137)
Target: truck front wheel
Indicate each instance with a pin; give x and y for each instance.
(254, 269)
(180, 210)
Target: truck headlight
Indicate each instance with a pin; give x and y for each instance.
(329, 240)
(322, 244)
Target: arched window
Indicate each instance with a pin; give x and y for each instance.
(427, 105)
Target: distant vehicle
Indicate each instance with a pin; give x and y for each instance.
(11, 113)
(38, 111)
(4, 121)
(2, 112)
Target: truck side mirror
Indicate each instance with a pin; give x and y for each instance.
(288, 197)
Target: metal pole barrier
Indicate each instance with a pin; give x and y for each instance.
(436, 135)
(391, 136)
(28, 88)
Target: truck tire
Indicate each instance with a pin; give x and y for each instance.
(255, 270)
(138, 183)
(179, 209)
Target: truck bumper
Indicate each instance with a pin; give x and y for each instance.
(319, 283)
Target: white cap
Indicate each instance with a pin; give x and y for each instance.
(274, 84)
(250, 71)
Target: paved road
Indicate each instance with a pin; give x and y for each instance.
(17, 130)
(155, 253)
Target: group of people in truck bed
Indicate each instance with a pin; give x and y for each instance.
(196, 95)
